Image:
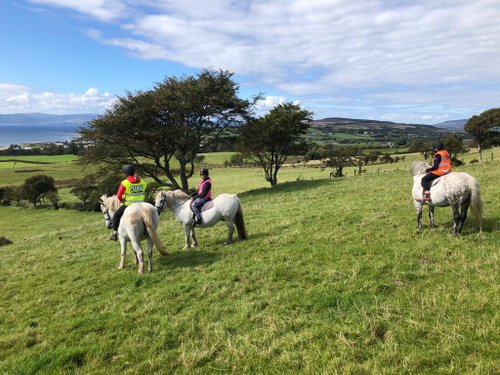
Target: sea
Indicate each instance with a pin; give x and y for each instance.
(22, 134)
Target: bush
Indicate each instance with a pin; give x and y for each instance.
(37, 187)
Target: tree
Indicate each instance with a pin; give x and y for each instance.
(271, 139)
(37, 187)
(421, 145)
(176, 120)
(85, 191)
(480, 127)
(341, 157)
(454, 144)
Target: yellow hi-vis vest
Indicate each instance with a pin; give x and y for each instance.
(134, 193)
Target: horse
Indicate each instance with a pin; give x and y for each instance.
(139, 221)
(225, 207)
(457, 190)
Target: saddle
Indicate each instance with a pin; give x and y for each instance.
(207, 206)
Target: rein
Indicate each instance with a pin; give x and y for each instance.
(163, 200)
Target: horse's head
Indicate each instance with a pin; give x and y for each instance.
(108, 207)
(418, 167)
(161, 201)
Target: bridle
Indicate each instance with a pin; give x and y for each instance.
(164, 201)
(107, 217)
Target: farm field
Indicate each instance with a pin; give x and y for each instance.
(334, 278)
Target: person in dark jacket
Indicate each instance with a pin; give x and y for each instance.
(201, 196)
(441, 165)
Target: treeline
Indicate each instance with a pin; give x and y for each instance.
(59, 148)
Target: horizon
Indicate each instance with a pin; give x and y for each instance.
(391, 61)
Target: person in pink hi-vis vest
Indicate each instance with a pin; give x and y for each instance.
(202, 195)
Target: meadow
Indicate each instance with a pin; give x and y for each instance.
(334, 279)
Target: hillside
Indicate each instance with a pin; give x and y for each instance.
(454, 125)
(369, 132)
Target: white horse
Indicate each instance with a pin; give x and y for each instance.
(139, 221)
(457, 190)
(225, 207)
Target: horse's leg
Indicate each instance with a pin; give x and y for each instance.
(418, 206)
(194, 241)
(140, 255)
(456, 218)
(431, 216)
(463, 216)
(123, 251)
(230, 227)
(187, 229)
(150, 255)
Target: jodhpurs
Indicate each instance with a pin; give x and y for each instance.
(427, 180)
(195, 206)
(117, 216)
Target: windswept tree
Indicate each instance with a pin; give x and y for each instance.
(175, 121)
(454, 144)
(271, 139)
(480, 127)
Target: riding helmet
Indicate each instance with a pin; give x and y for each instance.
(129, 170)
(439, 146)
(204, 172)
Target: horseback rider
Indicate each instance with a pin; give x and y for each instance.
(131, 190)
(201, 196)
(441, 166)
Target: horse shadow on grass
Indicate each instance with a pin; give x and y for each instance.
(188, 259)
(288, 187)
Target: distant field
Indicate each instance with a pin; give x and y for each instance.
(334, 279)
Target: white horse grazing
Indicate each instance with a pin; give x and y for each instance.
(225, 207)
(139, 221)
(457, 190)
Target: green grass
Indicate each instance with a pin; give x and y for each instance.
(334, 278)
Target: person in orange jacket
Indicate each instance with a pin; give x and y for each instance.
(441, 166)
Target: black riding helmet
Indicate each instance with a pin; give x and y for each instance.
(129, 170)
(204, 172)
(439, 146)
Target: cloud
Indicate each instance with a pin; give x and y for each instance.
(321, 48)
(17, 98)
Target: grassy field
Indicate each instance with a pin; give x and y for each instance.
(334, 279)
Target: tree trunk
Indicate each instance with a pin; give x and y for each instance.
(480, 152)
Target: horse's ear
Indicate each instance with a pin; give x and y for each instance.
(103, 197)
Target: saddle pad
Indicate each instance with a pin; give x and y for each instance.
(207, 206)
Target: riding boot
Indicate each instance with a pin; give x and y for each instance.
(114, 236)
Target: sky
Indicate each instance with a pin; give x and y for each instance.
(422, 61)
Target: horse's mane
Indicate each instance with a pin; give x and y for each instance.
(418, 167)
(112, 202)
(180, 194)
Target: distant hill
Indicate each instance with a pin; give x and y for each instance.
(455, 125)
(45, 119)
(340, 122)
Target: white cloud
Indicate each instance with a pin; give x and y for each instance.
(16, 98)
(321, 48)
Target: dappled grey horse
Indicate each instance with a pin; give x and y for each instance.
(457, 190)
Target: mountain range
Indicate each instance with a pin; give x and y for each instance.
(330, 122)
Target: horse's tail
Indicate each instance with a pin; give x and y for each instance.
(476, 205)
(147, 218)
(240, 223)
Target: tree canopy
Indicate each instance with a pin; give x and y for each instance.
(271, 139)
(480, 127)
(162, 130)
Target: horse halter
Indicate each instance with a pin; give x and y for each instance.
(107, 217)
(163, 200)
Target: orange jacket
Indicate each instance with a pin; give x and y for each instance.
(444, 166)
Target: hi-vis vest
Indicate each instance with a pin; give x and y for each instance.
(200, 189)
(134, 192)
(444, 166)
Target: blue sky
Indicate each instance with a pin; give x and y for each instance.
(405, 61)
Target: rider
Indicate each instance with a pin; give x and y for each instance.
(202, 195)
(131, 190)
(441, 166)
